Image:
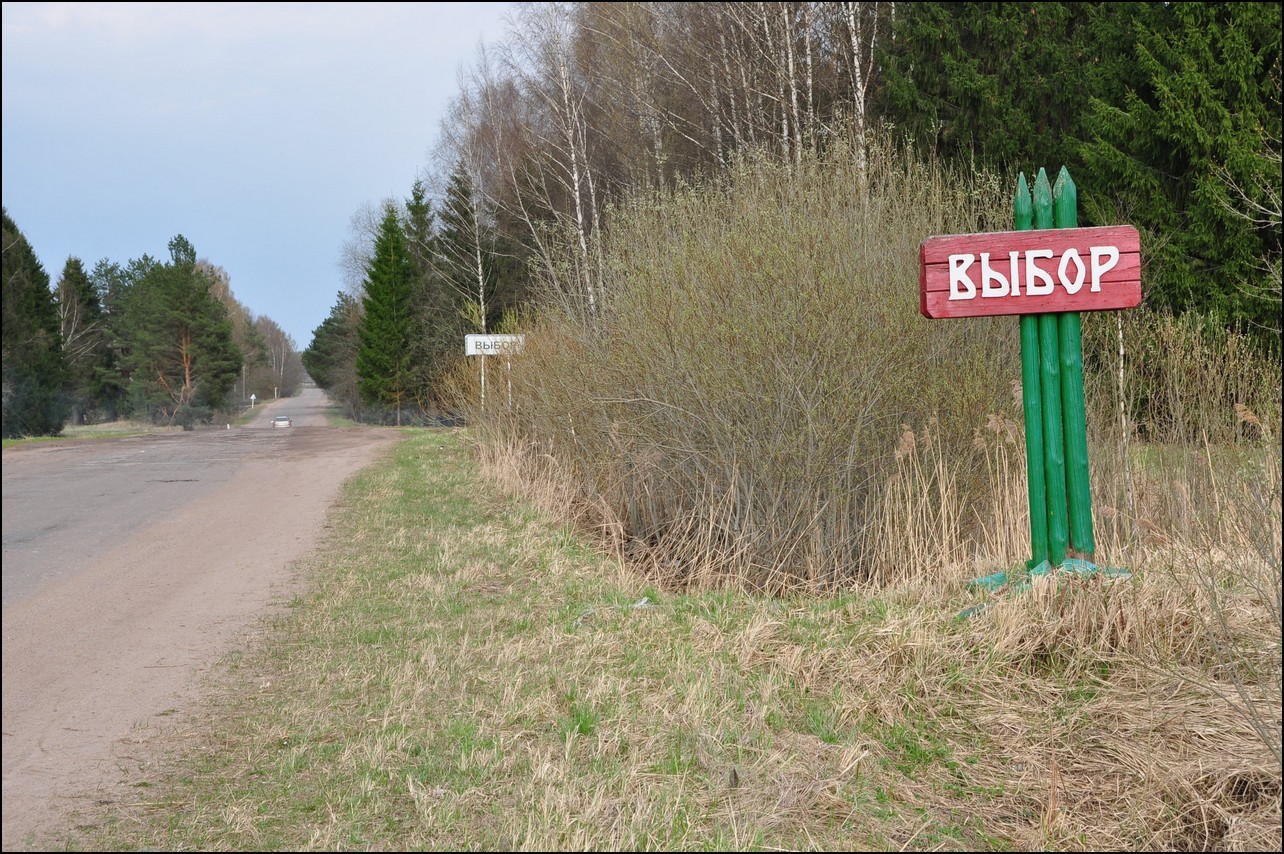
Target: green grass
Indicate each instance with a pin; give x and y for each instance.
(466, 673)
(30, 440)
(109, 430)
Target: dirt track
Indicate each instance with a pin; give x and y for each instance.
(99, 650)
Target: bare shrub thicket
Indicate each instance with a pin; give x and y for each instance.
(736, 411)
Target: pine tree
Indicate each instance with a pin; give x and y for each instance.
(112, 282)
(177, 354)
(34, 369)
(384, 369)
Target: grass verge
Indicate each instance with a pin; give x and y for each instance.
(108, 430)
(466, 673)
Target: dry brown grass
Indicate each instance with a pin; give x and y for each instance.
(1129, 713)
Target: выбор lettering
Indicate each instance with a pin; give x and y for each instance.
(1030, 272)
(493, 345)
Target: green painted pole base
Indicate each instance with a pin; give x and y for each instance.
(1019, 581)
(1061, 532)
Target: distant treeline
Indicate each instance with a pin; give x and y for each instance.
(1167, 116)
(161, 342)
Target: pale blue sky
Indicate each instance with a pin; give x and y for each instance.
(256, 130)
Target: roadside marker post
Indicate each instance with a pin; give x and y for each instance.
(494, 345)
(1047, 270)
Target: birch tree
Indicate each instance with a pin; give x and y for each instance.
(81, 322)
(861, 20)
(540, 57)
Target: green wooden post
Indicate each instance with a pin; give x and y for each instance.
(1031, 400)
(1054, 455)
(1066, 215)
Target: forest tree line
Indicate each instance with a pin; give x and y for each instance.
(1166, 115)
(163, 342)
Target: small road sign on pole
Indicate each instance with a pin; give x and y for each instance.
(493, 345)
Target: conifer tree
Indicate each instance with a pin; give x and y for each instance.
(385, 335)
(330, 359)
(1196, 112)
(34, 368)
(478, 263)
(178, 351)
(1166, 114)
(439, 327)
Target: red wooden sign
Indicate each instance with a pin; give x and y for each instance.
(1030, 272)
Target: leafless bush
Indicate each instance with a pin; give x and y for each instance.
(734, 413)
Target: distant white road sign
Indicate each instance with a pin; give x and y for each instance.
(492, 345)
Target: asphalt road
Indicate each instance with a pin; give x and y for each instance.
(130, 566)
(67, 503)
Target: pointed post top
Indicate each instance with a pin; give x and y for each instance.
(1042, 200)
(1065, 201)
(1042, 186)
(1022, 206)
(1063, 180)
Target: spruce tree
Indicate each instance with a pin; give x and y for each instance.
(1166, 114)
(478, 262)
(439, 329)
(1003, 83)
(34, 369)
(385, 335)
(1193, 122)
(466, 254)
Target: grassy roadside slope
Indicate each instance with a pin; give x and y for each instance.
(467, 674)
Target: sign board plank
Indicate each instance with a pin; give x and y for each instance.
(1030, 272)
(493, 345)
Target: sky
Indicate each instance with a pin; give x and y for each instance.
(255, 130)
